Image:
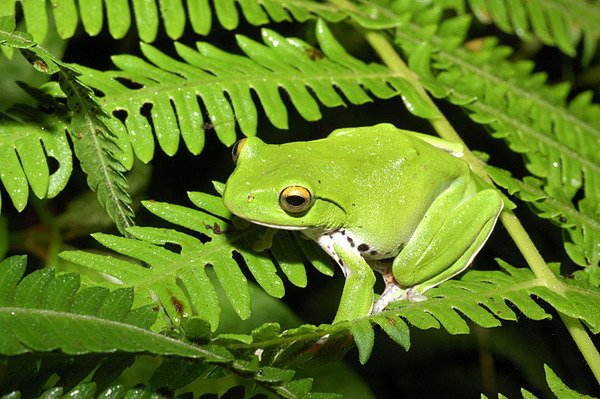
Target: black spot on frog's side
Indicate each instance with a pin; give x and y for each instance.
(351, 241)
(373, 252)
(363, 247)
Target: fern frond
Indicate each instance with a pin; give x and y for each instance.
(174, 15)
(182, 287)
(559, 139)
(559, 388)
(282, 388)
(177, 279)
(581, 225)
(96, 148)
(556, 385)
(29, 137)
(43, 312)
(163, 95)
(561, 23)
(147, 15)
(483, 297)
(95, 144)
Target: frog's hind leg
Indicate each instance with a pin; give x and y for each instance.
(436, 253)
(452, 233)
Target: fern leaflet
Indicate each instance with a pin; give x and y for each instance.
(96, 148)
(178, 281)
(43, 312)
(162, 96)
(484, 297)
(293, 390)
(558, 388)
(147, 15)
(28, 138)
(555, 22)
(581, 225)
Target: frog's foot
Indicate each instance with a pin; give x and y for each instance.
(392, 293)
(395, 293)
(413, 296)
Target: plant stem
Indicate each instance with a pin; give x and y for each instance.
(441, 125)
(529, 251)
(584, 343)
(515, 229)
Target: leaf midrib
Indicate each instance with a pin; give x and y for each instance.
(185, 349)
(185, 86)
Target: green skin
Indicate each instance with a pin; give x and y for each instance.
(378, 193)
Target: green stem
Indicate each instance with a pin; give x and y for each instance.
(390, 57)
(529, 251)
(53, 236)
(441, 125)
(584, 343)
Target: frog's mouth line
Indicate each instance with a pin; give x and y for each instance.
(278, 226)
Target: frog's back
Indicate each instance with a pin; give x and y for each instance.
(392, 178)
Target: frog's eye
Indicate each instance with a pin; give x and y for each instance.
(295, 199)
(237, 147)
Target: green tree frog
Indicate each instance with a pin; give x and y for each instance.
(375, 199)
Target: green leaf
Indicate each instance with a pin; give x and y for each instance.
(562, 23)
(482, 297)
(364, 336)
(97, 150)
(289, 259)
(559, 388)
(95, 143)
(175, 373)
(581, 224)
(173, 15)
(29, 139)
(39, 314)
(37, 56)
(172, 88)
(176, 278)
(395, 328)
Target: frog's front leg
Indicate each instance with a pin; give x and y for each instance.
(455, 228)
(357, 295)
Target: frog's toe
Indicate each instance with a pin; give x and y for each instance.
(413, 296)
(392, 293)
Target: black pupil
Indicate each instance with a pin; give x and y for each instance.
(295, 200)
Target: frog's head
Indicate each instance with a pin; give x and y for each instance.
(281, 186)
